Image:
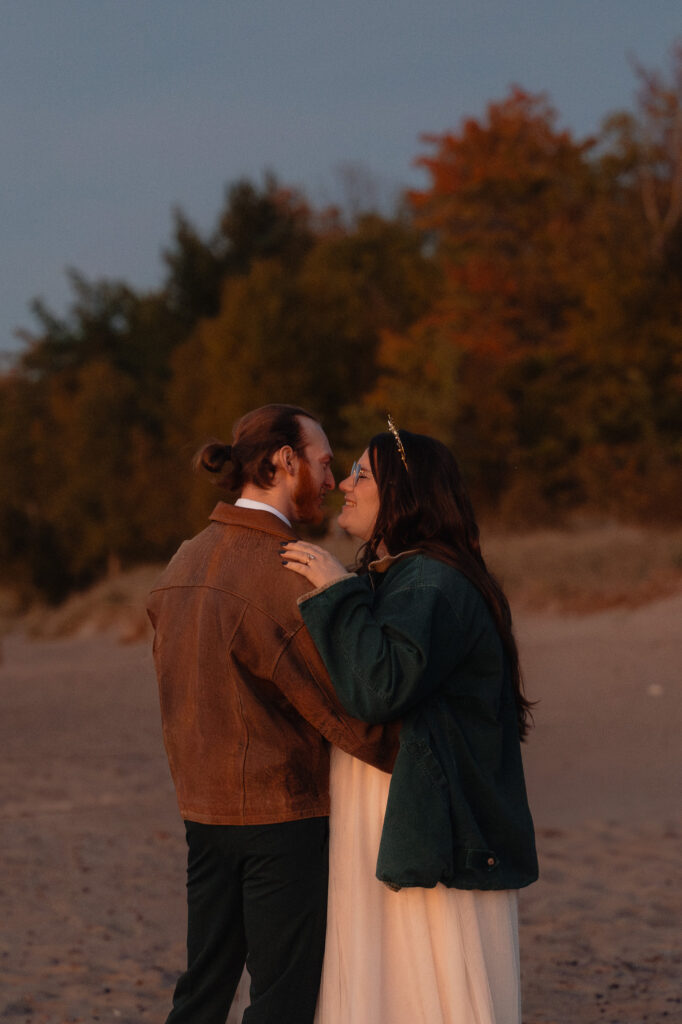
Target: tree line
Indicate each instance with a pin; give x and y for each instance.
(525, 306)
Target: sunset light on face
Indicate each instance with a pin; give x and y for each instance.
(361, 500)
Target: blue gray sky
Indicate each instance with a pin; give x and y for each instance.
(112, 112)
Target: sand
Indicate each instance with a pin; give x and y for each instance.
(92, 892)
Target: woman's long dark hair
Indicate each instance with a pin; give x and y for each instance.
(426, 507)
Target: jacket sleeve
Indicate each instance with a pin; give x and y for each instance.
(301, 676)
(384, 663)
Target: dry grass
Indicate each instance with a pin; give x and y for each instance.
(586, 569)
(579, 571)
(116, 604)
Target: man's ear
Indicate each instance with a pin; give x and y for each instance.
(286, 459)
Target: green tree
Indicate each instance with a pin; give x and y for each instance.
(306, 334)
(254, 224)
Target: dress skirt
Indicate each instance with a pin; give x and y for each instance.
(418, 956)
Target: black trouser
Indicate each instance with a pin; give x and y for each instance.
(255, 894)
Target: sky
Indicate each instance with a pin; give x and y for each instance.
(115, 112)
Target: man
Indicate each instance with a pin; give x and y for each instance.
(247, 709)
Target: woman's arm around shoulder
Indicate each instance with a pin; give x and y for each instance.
(386, 650)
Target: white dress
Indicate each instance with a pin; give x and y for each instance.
(418, 956)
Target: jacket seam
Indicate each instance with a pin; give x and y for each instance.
(246, 601)
(356, 744)
(247, 737)
(418, 582)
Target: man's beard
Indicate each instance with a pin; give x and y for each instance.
(307, 497)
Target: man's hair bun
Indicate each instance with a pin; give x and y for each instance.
(213, 456)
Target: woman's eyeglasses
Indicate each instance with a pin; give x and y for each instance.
(357, 473)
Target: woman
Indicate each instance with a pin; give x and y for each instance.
(422, 633)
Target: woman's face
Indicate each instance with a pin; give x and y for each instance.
(361, 508)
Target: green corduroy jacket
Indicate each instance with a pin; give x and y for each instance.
(415, 640)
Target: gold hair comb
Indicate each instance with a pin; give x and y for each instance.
(394, 430)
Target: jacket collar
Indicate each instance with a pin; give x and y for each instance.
(385, 563)
(252, 519)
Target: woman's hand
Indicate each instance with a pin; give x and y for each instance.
(315, 563)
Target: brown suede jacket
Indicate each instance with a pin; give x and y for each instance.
(246, 703)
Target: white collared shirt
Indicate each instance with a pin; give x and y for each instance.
(263, 507)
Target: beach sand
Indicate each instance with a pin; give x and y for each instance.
(92, 895)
